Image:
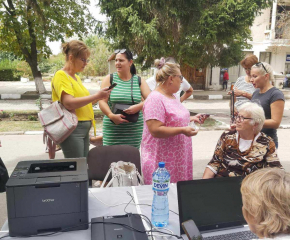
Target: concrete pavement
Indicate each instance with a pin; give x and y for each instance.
(17, 148)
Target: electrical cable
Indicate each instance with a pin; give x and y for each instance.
(119, 204)
(152, 229)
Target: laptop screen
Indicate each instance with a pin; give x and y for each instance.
(211, 203)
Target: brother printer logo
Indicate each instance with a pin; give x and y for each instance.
(47, 200)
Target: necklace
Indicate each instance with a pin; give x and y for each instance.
(247, 151)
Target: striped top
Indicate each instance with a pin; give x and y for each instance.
(241, 84)
(124, 133)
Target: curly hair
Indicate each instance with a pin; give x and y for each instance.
(266, 200)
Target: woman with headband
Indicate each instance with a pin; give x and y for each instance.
(167, 136)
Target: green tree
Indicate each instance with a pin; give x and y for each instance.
(195, 32)
(98, 65)
(26, 26)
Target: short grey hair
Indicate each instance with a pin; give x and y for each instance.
(256, 112)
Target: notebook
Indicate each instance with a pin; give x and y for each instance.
(215, 205)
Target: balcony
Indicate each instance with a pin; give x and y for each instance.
(282, 24)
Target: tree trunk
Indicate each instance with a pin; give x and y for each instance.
(40, 88)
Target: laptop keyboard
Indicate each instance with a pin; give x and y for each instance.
(244, 235)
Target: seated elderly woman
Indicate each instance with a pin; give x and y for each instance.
(245, 149)
(266, 203)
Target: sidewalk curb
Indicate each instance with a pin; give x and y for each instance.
(7, 96)
(219, 128)
(27, 96)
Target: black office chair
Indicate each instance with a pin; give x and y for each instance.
(100, 159)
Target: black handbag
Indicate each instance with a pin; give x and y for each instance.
(3, 176)
(118, 108)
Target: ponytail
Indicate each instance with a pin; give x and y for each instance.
(133, 69)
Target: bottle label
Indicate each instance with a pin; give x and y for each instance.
(160, 186)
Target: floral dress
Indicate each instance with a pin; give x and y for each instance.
(175, 151)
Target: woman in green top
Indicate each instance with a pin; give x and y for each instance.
(116, 129)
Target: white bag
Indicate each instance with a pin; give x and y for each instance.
(123, 174)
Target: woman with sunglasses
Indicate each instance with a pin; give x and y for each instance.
(243, 88)
(270, 98)
(245, 150)
(67, 88)
(167, 136)
(117, 130)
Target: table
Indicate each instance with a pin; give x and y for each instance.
(114, 196)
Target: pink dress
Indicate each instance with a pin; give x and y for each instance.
(175, 151)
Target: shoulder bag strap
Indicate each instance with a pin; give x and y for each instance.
(132, 90)
(139, 82)
(111, 79)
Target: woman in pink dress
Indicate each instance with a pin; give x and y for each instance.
(166, 134)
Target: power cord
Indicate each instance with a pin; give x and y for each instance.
(126, 203)
(145, 218)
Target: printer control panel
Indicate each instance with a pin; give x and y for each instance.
(19, 172)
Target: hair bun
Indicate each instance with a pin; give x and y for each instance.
(159, 63)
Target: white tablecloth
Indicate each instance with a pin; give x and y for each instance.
(115, 196)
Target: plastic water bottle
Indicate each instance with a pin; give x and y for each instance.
(160, 186)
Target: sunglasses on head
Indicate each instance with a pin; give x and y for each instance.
(259, 64)
(120, 51)
(128, 53)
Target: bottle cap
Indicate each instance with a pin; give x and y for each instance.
(161, 164)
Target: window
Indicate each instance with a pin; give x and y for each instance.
(265, 57)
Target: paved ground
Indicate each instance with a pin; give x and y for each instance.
(30, 147)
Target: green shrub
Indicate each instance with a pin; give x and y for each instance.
(9, 75)
(8, 71)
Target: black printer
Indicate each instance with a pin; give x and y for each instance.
(48, 196)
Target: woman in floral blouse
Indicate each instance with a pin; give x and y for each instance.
(244, 150)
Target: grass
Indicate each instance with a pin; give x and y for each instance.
(16, 126)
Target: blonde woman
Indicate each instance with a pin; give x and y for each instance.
(167, 136)
(67, 88)
(270, 98)
(266, 203)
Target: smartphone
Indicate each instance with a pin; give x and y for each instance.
(112, 86)
(191, 230)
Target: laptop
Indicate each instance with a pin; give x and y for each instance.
(118, 228)
(215, 205)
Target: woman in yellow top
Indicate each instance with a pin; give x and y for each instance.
(69, 90)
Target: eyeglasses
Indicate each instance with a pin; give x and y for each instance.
(259, 64)
(180, 76)
(85, 60)
(241, 118)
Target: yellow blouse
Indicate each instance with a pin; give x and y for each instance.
(62, 82)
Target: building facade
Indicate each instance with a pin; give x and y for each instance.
(270, 43)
